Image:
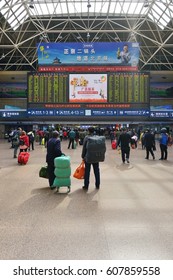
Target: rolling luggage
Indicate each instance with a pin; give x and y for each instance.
(23, 157)
(62, 172)
(114, 144)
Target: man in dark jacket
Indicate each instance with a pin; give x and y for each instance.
(88, 165)
(53, 151)
(149, 142)
(124, 142)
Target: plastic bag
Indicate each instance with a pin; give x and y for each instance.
(43, 173)
(80, 171)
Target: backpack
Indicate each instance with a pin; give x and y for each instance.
(96, 148)
(21, 142)
(164, 139)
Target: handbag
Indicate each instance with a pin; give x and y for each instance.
(80, 171)
(43, 173)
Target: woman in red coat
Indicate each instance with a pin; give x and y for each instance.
(23, 142)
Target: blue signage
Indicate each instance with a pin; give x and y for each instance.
(74, 112)
(141, 112)
(99, 53)
(13, 114)
(161, 114)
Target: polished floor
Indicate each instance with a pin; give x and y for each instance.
(130, 217)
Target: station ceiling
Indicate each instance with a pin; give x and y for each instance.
(25, 23)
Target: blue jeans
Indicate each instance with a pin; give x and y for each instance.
(96, 174)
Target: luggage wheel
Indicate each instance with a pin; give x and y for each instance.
(69, 189)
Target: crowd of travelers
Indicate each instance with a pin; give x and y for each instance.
(124, 139)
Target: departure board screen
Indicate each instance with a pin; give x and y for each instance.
(118, 90)
(128, 88)
(48, 88)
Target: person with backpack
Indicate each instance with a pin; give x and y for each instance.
(163, 144)
(16, 141)
(92, 156)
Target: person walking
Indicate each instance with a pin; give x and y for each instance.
(124, 141)
(95, 165)
(53, 151)
(16, 141)
(149, 142)
(163, 144)
(23, 142)
(71, 135)
(31, 140)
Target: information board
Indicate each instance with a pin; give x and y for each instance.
(128, 88)
(89, 91)
(48, 88)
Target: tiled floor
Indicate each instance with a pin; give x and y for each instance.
(130, 217)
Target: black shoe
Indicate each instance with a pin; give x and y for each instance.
(160, 158)
(153, 157)
(128, 161)
(15, 156)
(124, 161)
(85, 188)
(52, 187)
(146, 158)
(98, 188)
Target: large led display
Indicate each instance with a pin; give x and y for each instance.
(81, 90)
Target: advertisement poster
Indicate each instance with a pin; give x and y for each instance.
(87, 88)
(161, 96)
(99, 53)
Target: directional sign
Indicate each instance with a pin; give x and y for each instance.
(161, 114)
(141, 112)
(69, 112)
(40, 112)
(13, 114)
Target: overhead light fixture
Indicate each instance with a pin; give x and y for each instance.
(31, 6)
(89, 5)
(146, 4)
(2, 56)
(88, 35)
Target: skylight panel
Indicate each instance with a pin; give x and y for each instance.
(39, 9)
(64, 8)
(162, 21)
(71, 8)
(139, 8)
(156, 15)
(166, 18)
(98, 6)
(2, 3)
(105, 7)
(112, 7)
(43, 8)
(129, 8)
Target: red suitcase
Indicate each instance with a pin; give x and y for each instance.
(114, 144)
(23, 157)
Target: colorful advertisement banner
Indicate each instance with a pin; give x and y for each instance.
(87, 88)
(99, 53)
